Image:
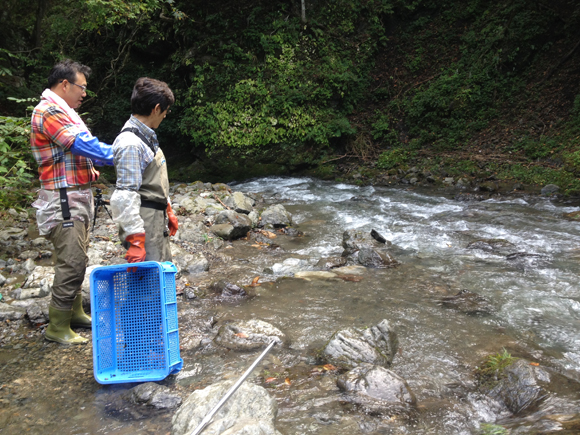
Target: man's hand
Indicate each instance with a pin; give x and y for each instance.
(173, 224)
(136, 252)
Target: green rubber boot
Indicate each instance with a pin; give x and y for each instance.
(59, 328)
(79, 318)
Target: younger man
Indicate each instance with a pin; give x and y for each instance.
(140, 203)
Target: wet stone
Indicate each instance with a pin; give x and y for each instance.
(378, 390)
(370, 257)
(350, 347)
(522, 386)
(250, 411)
(248, 335)
(228, 289)
(467, 302)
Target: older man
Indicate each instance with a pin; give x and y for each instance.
(66, 152)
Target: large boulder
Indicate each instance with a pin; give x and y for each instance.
(351, 347)
(230, 225)
(378, 390)
(249, 411)
(240, 203)
(277, 216)
(248, 335)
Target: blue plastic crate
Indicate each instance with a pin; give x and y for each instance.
(135, 331)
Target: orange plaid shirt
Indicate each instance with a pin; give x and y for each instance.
(53, 133)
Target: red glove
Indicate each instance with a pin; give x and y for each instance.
(173, 224)
(136, 252)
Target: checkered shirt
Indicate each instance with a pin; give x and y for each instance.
(52, 135)
(131, 155)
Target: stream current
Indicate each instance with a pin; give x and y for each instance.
(534, 298)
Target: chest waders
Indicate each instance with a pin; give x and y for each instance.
(154, 192)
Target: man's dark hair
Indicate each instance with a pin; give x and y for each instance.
(67, 69)
(148, 93)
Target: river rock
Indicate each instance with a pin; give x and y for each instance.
(525, 260)
(522, 386)
(310, 275)
(220, 187)
(152, 394)
(249, 411)
(240, 203)
(189, 263)
(193, 232)
(354, 240)
(36, 309)
(331, 262)
(467, 302)
(550, 189)
(378, 390)
(499, 246)
(41, 277)
(228, 289)
(248, 335)
(230, 225)
(350, 347)
(370, 257)
(2, 280)
(290, 266)
(11, 312)
(23, 293)
(12, 233)
(29, 254)
(277, 216)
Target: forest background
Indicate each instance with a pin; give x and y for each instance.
(488, 90)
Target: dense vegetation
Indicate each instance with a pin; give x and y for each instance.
(469, 87)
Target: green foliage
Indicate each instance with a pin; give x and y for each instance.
(393, 158)
(492, 368)
(493, 429)
(15, 159)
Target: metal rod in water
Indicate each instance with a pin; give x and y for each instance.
(231, 391)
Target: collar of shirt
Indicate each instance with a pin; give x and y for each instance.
(148, 132)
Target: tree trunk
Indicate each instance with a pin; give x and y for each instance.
(303, 11)
(40, 13)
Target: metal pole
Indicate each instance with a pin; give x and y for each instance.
(231, 391)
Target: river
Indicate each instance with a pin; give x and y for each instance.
(533, 295)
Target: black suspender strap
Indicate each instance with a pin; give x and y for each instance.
(64, 204)
(141, 136)
(153, 204)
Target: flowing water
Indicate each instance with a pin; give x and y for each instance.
(534, 300)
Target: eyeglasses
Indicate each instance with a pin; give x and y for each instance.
(83, 87)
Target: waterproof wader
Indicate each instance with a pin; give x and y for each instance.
(154, 192)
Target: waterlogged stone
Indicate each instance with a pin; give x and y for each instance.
(350, 347)
(248, 335)
(249, 411)
(378, 390)
(152, 394)
(467, 302)
(370, 257)
(522, 386)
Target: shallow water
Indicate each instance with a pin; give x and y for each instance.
(535, 301)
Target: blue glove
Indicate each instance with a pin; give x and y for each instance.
(87, 145)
